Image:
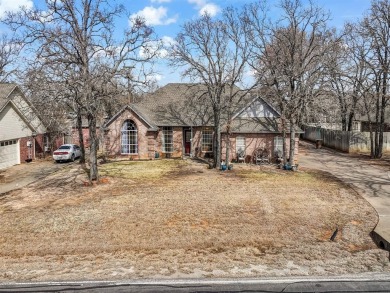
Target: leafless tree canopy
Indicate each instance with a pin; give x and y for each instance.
(215, 52)
(288, 57)
(76, 39)
(9, 51)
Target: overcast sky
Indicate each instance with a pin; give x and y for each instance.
(167, 16)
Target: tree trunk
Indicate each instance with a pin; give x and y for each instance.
(227, 138)
(343, 122)
(217, 140)
(79, 125)
(227, 148)
(93, 171)
(283, 120)
(217, 148)
(381, 126)
(372, 151)
(350, 120)
(292, 141)
(376, 148)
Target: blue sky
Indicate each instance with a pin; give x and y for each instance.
(167, 16)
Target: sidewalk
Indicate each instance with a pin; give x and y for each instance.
(372, 182)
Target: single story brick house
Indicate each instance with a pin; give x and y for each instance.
(176, 121)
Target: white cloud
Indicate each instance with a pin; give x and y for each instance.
(168, 41)
(205, 7)
(198, 3)
(157, 77)
(160, 1)
(13, 5)
(155, 16)
(159, 48)
(210, 8)
(149, 50)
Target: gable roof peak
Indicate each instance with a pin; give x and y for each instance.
(252, 102)
(5, 91)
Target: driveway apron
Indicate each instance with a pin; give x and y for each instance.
(372, 182)
(19, 176)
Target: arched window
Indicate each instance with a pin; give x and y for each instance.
(129, 138)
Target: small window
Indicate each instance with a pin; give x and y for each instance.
(167, 140)
(207, 140)
(240, 144)
(6, 143)
(2, 143)
(278, 146)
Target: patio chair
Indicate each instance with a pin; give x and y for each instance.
(262, 157)
(241, 156)
(278, 157)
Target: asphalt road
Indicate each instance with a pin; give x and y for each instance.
(207, 286)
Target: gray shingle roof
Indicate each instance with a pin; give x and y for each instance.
(136, 110)
(181, 104)
(5, 90)
(259, 125)
(177, 104)
(187, 104)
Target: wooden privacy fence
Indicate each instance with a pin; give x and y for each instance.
(346, 141)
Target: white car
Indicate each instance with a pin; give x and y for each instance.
(67, 152)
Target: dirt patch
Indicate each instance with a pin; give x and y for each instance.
(174, 218)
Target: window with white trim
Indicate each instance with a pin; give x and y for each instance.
(240, 144)
(207, 140)
(278, 145)
(167, 140)
(129, 138)
(8, 142)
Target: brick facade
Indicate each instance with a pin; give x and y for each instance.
(85, 131)
(253, 143)
(26, 152)
(150, 142)
(146, 139)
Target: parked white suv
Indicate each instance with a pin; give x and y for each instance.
(67, 152)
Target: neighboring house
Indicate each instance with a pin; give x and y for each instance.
(175, 121)
(364, 125)
(22, 134)
(73, 132)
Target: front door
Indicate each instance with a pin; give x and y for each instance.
(187, 141)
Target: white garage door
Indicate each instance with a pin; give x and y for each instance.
(9, 153)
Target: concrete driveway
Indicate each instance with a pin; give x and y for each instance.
(371, 181)
(21, 175)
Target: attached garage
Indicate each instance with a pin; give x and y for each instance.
(9, 153)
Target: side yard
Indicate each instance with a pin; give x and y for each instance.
(174, 218)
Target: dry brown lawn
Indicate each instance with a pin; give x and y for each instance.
(175, 218)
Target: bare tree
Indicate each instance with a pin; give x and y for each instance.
(374, 34)
(51, 99)
(78, 37)
(288, 56)
(215, 52)
(9, 51)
